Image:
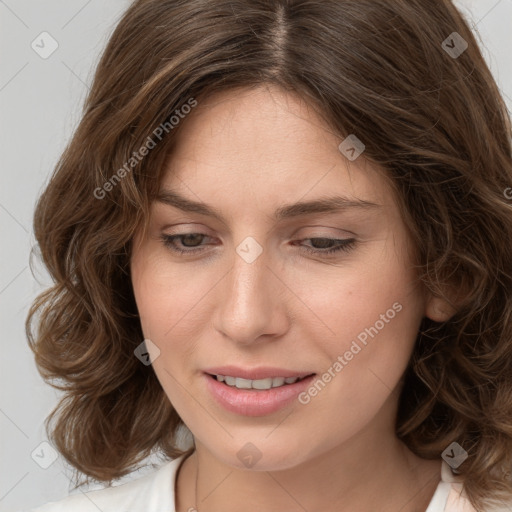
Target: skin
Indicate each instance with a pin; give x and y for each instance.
(247, 152)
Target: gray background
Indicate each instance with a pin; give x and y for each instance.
(40, 102)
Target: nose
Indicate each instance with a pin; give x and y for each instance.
(251, 304)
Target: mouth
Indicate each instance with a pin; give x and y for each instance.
(256, 397)
(257, 384)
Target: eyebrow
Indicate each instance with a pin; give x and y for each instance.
(332, 204)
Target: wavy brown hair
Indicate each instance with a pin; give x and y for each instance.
(435, 124)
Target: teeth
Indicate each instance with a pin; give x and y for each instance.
(262, 383)
(230, 381)
(238, 382)
(242, 383)
(277, 381)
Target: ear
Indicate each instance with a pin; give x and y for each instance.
(439, 309)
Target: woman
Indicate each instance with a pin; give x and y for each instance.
(283, 227)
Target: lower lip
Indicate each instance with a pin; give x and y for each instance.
(253, 402)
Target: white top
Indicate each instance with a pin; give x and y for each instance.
(154, 492)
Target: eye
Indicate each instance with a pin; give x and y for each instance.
(345, 244)
(190, 243)
(185, 239)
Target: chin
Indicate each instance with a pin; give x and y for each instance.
(262, 456)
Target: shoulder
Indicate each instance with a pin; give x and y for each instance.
(153, 492)
(457, 500)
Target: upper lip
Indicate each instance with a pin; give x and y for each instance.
(263, 372)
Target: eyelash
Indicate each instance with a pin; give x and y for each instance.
(345, 245)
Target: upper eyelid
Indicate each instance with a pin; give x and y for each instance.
(346, 236)
(297, 223)
(341, 246)
(178, 236)
(316, 237)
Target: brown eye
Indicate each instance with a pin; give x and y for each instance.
(190, 243)
(325, 245)
(190, 240)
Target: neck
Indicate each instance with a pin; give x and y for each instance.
(357, 477)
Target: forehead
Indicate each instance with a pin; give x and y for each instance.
(261, 123)
(265, 145)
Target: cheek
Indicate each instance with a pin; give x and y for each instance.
(373, 311)
(173, 303)
(355, 295)
(162, 291)
(168, 301)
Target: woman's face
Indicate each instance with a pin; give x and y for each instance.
(250, 294)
